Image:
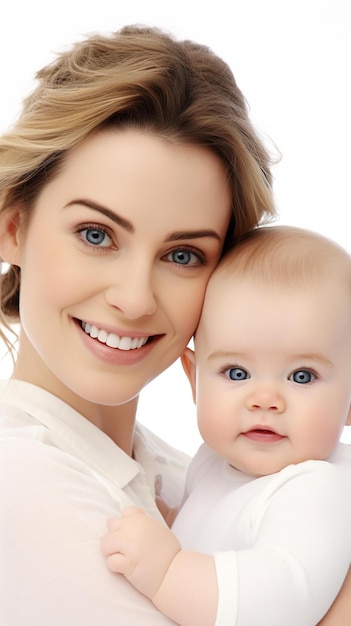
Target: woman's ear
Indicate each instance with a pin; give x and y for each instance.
(189, 367)
(10, 250)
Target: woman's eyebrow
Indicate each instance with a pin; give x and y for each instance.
(193, 234)
(121, 221)
(128, 226)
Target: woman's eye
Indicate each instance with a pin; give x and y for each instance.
(96, 237)
(237, 373)
(302, 377)
(184, 257)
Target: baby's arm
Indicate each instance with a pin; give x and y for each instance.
(181, 584)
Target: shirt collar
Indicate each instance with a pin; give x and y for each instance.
(71, 432)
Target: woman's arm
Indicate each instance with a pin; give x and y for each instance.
(339, 613)
(53, 513)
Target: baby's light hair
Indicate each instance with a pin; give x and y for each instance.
(287, 256)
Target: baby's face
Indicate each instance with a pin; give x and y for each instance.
(272, 372)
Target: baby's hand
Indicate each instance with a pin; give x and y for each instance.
(141, 548)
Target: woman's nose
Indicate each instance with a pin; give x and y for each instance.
(266, 400)
(132, 292)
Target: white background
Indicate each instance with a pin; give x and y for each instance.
(292, 61)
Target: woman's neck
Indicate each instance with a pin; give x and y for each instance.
(116, 421)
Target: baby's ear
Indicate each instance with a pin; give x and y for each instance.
(10, 250)
(189, 367)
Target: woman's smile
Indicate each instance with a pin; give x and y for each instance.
(121, 342)
(116, 350)
(119, 248)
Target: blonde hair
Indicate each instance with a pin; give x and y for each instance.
(145, 78)
(287, 256)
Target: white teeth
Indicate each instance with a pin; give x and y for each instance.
(112, 340)
(102, 336)
(125, 343)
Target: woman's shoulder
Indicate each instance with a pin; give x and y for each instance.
(148, 442)
(162, 463)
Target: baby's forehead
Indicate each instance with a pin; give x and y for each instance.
(244, 298)
(302, 266)
(333, 282)
(255, 318)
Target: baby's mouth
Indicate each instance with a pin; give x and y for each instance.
(112, 340)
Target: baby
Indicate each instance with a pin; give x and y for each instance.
(263, 535)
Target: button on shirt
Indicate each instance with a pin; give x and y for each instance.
(60, 479)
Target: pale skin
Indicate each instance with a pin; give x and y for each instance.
(270, 390)
(129, 229)
(178, 189)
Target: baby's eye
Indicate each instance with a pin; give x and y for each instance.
(96, 237)
(302, 377)
(184, 256)
(237, 373)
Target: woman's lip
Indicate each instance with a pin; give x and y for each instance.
(113, 330)
(117, 356)
(112, 340)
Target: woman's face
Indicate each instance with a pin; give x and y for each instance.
(115, 261)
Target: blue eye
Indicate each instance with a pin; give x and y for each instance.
(303, 377)
(184, 257)
(96, 237)
(237, 373)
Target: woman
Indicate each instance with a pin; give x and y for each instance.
(132, 166)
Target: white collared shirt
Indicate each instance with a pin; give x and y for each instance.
(60, 479)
